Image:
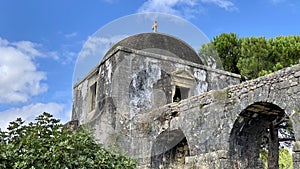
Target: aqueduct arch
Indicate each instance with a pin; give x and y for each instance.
(225, 128)
(257, 127)
(170, 148)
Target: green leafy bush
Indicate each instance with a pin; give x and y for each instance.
(285, 159)
(48, 144)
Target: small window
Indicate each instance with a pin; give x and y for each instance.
(180, 93)
(93, 92)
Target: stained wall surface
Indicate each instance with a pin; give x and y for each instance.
(164, 107)
(133, 82)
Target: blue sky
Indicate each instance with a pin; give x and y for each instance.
(41, 40)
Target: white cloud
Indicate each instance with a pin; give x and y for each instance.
(71, 35)
(28, 48)
(225, 4)
(92, 52)
(166, 6)
(96, 44)
(68, 57)
(19, 76)
(184, 8)
(30, 112)
(3, 42)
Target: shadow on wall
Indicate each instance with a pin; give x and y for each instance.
(169, 149)
(257, 128)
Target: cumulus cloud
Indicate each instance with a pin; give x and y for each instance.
(28, 48)
(184, 8)
(19, 76)
(30, 112)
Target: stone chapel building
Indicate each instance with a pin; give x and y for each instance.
(126, 97)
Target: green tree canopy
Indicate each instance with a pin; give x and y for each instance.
(254, 56)
(48, 144)
(228, 49)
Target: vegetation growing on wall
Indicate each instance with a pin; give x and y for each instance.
(48, 144)
(254, 56)
(285, 159)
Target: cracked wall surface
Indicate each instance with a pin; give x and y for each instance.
(209, 120)
(160, 108)
(133, 82)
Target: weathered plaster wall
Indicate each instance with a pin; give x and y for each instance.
(131, 82)
(134, 109)
(208, 119)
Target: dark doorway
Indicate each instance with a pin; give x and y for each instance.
(180, 94)
(170, 149)
(257, 129)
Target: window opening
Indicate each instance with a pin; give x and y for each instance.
(93, 92)
(180, 94)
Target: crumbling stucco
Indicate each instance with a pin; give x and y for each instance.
(153, 104)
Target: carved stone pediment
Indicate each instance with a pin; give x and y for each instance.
(183, 73)
(183, 78)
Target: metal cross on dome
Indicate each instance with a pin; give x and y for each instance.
(154, 27)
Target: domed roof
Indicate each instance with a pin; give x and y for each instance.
(160, 44)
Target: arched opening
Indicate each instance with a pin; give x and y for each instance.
(169, 150)
(261, 127)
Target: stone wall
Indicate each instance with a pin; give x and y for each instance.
(131, 82)
(223, 126)
(209, 120)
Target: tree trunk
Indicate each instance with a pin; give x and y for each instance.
(273, 152)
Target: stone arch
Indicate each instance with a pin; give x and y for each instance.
(255, 126)
(170, 148)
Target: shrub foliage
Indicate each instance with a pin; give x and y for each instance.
(46, 143)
